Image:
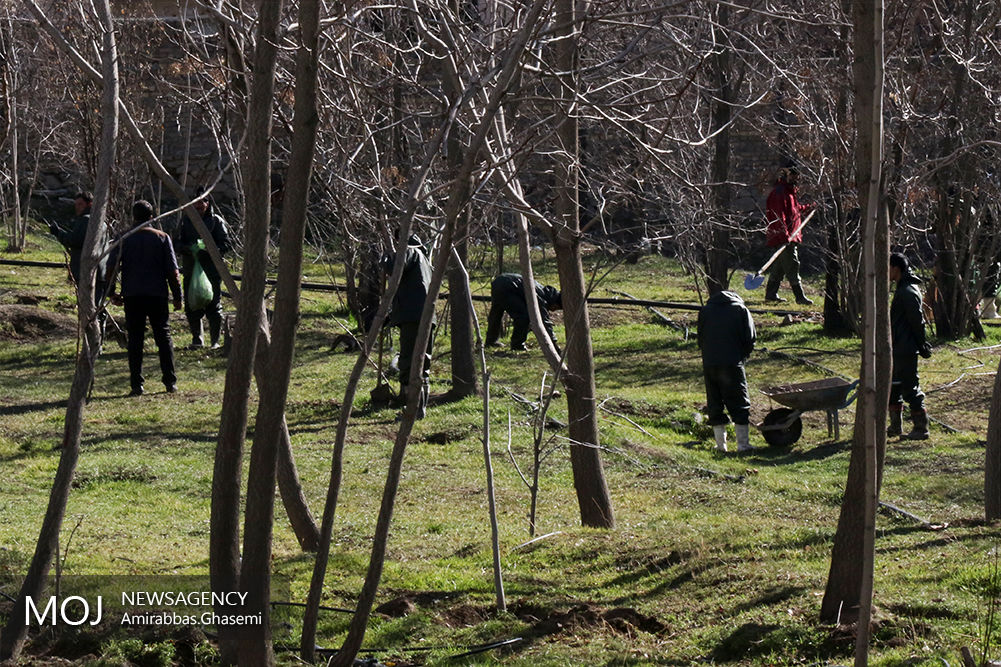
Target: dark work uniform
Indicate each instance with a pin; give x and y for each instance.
(148, 266)
(186, 239)
(72, 240)
(507, 295)
(726, 338)
(907, 330)
(408, 303)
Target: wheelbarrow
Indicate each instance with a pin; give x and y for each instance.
(783, 426)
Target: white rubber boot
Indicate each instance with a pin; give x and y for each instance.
(743, 437)
(989, 309)
(719, 431)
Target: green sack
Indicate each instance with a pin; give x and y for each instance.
(200, 292)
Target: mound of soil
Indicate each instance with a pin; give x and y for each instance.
(624, 620)
(27, 323)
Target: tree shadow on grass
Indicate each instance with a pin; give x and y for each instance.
(776, 456)
(772, 596)
(752, 640)
(25, 408)
(949, 539)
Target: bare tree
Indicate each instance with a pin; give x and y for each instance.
(255, 573)
(13, 636)
(224, 538)
(849, 588)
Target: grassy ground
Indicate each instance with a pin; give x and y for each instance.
(715, 559)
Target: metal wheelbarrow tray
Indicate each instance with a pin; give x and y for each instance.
(783, 426)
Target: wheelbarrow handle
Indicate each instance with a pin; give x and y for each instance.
(853, 389)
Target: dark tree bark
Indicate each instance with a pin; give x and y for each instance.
(460, 318)
(992, 467)
(848, 595)
(718, 253)
(255, 574)
(46, 548)
(593, 497)
(955, 310)
(224, 535)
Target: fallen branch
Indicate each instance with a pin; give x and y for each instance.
(661, 316)
(913, 517)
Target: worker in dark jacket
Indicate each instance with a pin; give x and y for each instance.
(726, 338)
(148, 267)
(907, 330)
(408, 304)
(187, 241)
(507, 295)
(784, 215)
(72, 239)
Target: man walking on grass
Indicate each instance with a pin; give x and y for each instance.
(148, 267)
(907, 330)
(784, 215)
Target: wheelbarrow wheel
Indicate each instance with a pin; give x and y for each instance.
(781, 437)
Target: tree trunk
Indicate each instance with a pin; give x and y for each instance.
(46, 548)
(293, 499)
(992, 468)
(718, 252)
(224, 536)
(255, 574)
(954, 310)
(593, 497)
(849, 587)
(460, 318)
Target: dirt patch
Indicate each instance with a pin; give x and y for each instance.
(629, 408)
(464, 615)
(26, 323)
(452, 434)
(602, 316)
(964, 405)
(623, 620)
(408, 603)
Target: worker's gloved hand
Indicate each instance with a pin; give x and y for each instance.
(925, 351)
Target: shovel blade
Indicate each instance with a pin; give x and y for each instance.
(753, 281)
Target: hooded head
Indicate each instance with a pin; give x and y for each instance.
(899, 266)
(552, 297)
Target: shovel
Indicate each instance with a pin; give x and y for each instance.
(383, 393)
(757, 280)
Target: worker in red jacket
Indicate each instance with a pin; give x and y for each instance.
(784, 216)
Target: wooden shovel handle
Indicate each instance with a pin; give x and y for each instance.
(779, 251)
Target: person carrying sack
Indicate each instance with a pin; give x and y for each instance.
(193, 254)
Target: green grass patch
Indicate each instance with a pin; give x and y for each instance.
(714, 560)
